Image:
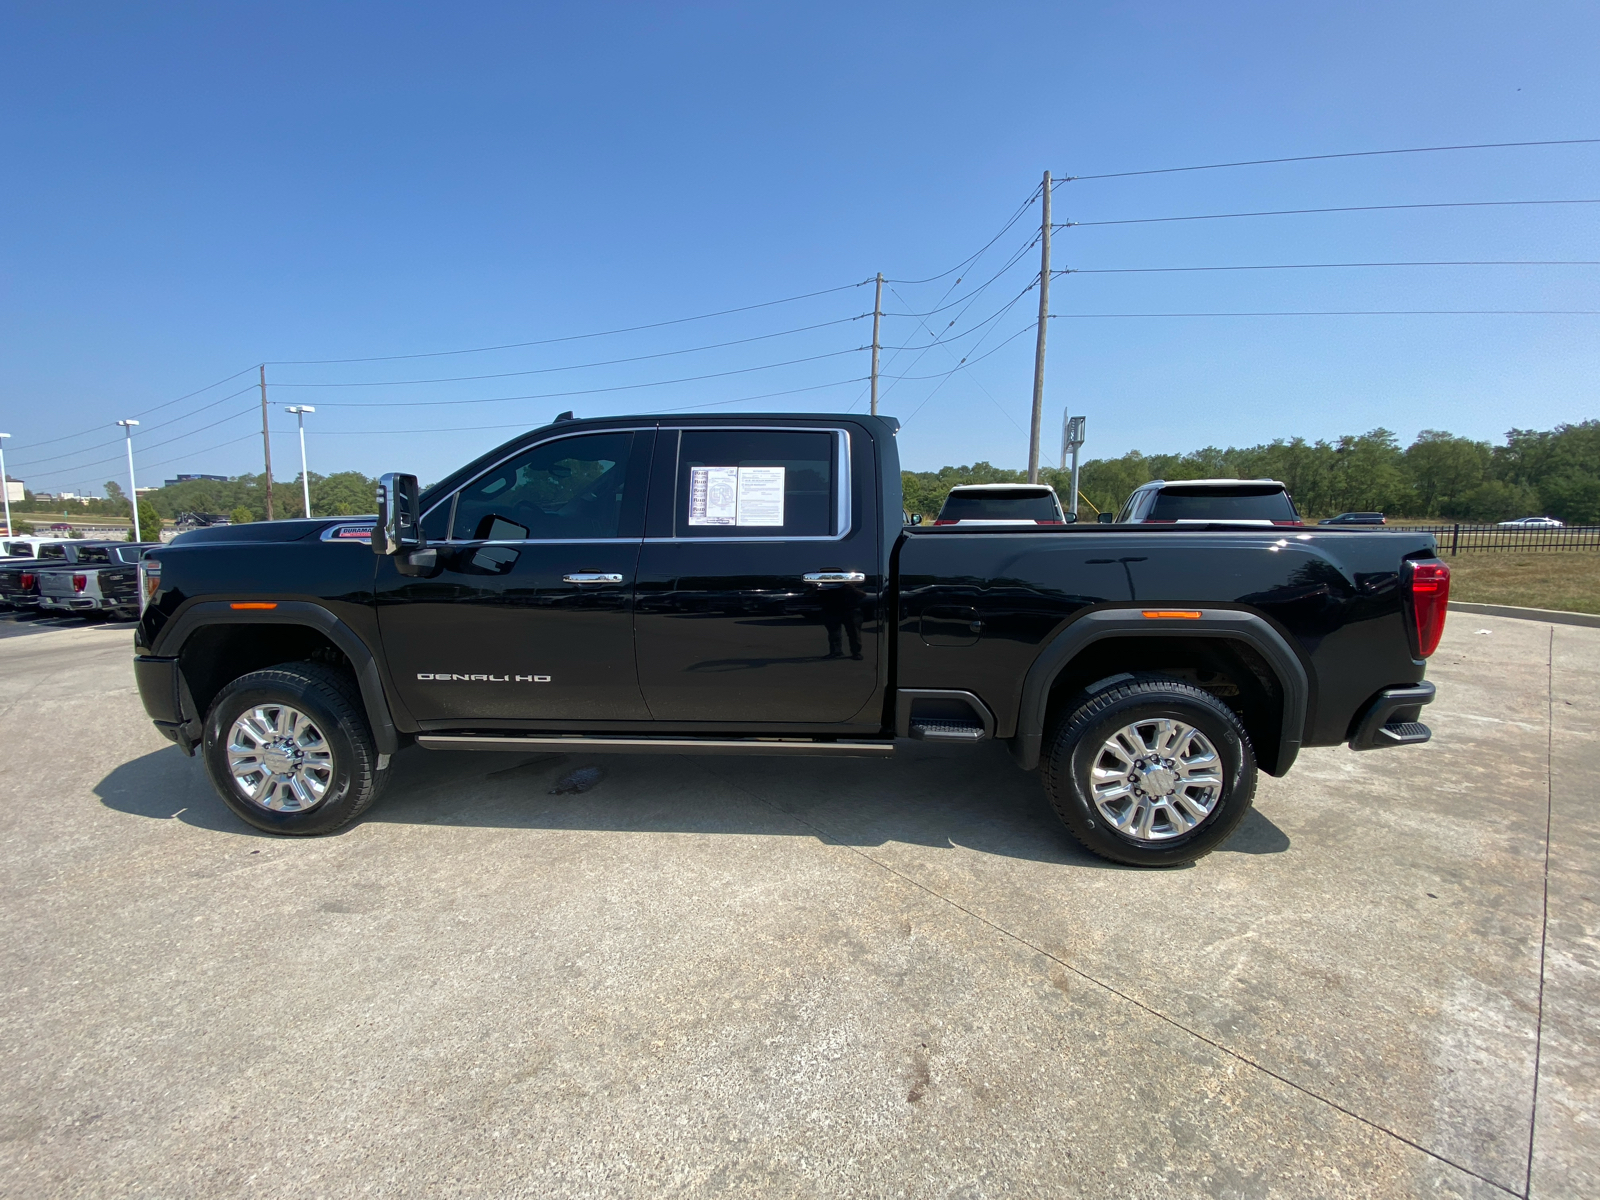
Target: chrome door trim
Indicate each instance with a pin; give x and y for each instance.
(834, 577)
(841, 469)
(592, 577)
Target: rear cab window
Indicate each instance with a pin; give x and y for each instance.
(54, 553)
(1246, 502)
(94, 554)
(760, 483)
(1000, 506)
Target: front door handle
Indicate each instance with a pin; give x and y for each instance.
(592, 577)
(834, 577)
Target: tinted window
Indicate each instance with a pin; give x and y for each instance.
(94, 554)
(55, 551)
(999, 506)
(1247, 502)
(756, 483)
(129, 554)
(571, 488)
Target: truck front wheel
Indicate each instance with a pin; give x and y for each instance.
(289, 749)
(1151, 772)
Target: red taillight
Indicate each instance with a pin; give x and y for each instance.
(79, 582)
(25, 581)
(1296, 522)
(940, 521)
(1428, 586)
(1049, 522)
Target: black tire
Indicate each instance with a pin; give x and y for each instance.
(330, 699)
(1079, 739)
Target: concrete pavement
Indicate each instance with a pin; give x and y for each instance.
(754, 976)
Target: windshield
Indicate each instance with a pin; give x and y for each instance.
(1246, 502)
(1020, 505)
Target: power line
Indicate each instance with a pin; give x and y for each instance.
(970, 360)
(1375, 312)
(144, 449)
(575, 337)
(1320, 266)
(584, 366)
(164, 404)
(1015, 217)
(118, 441)
(1261, 162)
(1294, 212)
(626, 387)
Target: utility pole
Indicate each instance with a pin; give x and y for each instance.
(5, 482)
(300, 411)
(1038, 352)
(877, 316)
(133, 488)
(266, 440)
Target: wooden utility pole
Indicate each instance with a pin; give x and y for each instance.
(877, 316)
(266, 440)
(1038, 351)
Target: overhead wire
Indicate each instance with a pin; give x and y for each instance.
(1321, 266)
(164, 404)
(964, 263)
(582, 366)
(626, 387)
(1295, 212)
(1361, 312)
(575, 337)
(1261, 162)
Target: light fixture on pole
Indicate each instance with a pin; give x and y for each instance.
(1071, 442)
(133, 488)
(5, 481)
(300, 411)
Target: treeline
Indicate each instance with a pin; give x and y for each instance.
(1440, 476)
(243, 497)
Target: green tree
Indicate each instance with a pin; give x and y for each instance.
(115, 494)
(242, 515)
(149, 522)
(1443, 470)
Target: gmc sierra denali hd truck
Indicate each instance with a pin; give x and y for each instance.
(747, 585)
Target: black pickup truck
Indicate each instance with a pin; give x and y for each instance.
(747, 585)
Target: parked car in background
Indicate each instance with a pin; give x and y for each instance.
(1001, 504)
(19, 577)
(1208, 501)
(105, 579)
(1533, 523)
(61, 527)
(1355, 518)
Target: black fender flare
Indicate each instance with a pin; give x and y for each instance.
(1252, 630)
(294, 612)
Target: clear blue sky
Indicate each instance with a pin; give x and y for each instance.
(190, 190)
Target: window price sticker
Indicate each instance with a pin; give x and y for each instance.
(736, 496)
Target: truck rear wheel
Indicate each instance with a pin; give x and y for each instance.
(289, 749)
(1152, 772)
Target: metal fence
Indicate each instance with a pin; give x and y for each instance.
(1470, 539)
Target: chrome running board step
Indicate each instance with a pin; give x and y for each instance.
(601, 744)
(947, 731)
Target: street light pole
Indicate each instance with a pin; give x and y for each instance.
(300, 411)
(5, 482)
(133, 488)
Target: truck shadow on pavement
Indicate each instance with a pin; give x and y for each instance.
(931, 796)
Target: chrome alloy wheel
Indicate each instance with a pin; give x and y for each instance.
(279, 759)
(1156, 779)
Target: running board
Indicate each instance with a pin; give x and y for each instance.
(601, 744)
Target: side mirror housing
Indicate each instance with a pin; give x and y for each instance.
(1106, 518)
(916, 518)
(399, 527)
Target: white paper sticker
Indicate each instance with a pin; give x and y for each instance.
(713, 495)
(760, 496)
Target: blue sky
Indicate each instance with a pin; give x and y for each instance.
(191, 190)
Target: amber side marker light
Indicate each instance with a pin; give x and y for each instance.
(255, 604)
(1171, 614)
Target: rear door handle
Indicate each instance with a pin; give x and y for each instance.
(834, 577)
(592, 577)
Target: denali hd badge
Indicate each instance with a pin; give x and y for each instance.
(442, 678)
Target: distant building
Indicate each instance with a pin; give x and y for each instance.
(15, 489)
(191, 478)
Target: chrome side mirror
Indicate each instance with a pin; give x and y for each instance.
(399, 527)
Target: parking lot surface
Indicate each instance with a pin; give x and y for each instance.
(760, 977)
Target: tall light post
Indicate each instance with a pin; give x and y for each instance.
(133, 488)
(300, 411)
(5, 482)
